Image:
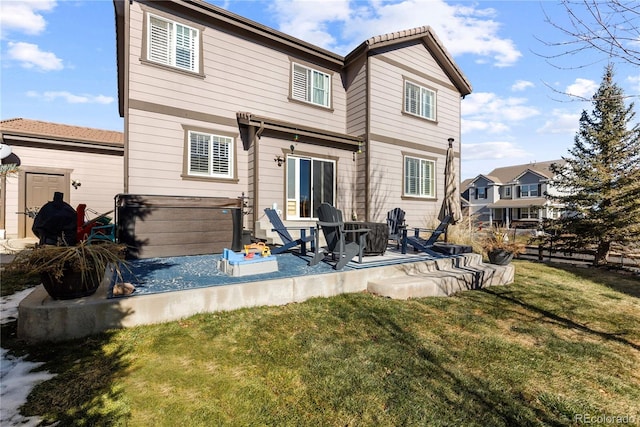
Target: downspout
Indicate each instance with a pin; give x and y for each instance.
(125, 94)
(367, 142)
(256, 173)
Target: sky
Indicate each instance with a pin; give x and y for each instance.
(58, 64)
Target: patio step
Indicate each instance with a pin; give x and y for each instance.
(443, 281)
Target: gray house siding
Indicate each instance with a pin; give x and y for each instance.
(394, 133)
(242, 90)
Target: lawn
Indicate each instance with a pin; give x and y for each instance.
(560, 346)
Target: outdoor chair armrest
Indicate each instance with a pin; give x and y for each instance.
(293, 228)
(417, 230)
(359, 230)
(329, 224)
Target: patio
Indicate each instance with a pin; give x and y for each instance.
(169, 289)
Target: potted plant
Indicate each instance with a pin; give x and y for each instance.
(70, 271)
(499, 248)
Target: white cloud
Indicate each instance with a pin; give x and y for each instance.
(307, 21)
(462, 29)
(561, 122)
(494, 111)
(582, 88)
(493, 127)
(24, 16)
(521, 85)
(72, 98)
(30, 56)
(492, 150)
(635, 82)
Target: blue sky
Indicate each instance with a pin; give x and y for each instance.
(59, 64)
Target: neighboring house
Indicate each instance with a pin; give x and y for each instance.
(83, 163)
(218, 105)
(512, 195)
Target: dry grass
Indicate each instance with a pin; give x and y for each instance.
(558, 343)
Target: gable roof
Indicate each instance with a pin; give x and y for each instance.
(427, 35)
(252, 30)
(57, 131)
(507, 174)
(487, 177)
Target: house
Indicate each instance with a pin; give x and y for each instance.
(217, 105)
(512, 195)
(85, 164)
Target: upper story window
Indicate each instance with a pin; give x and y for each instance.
(419, 100)
(419, 177)
(481, 193)
(311, 86)
(529, 190)
(174, 44)
(507, 191)
(210, 155)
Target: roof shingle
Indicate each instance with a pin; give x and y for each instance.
(60, 131)
(507, 174)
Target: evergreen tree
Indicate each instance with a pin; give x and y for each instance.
(600, 183)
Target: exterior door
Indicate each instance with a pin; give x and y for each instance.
(310, 182)
(39, 190)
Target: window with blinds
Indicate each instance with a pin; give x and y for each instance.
(310, 85)
(419, 177)
(173, 44)
(210, 155)
(419, 101)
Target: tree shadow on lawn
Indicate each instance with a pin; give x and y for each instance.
(430, 386)
(619, 280)
(557, 319)
(84, 390)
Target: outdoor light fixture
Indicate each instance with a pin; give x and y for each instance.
(279, 159)
(5, 151)
(450, 142)
(296, 138)
(76, 184)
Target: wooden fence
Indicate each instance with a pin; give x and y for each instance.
(548, 253)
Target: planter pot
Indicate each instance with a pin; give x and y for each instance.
(500, 257)
(71, 285)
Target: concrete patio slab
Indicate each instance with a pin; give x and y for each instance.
(41, 319)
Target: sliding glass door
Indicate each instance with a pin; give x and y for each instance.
(310, 182)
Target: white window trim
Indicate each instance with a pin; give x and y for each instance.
(530, 213)
(172, 44)
(293, 203)
(420, 102)
(306, 94)
(230, 143)
(422, 192)
(528, 193)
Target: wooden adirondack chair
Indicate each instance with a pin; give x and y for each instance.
(426, 245)
(288, 242)
(332, 225)
(395, 221)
